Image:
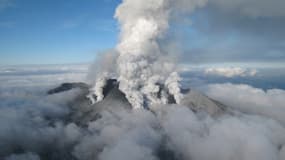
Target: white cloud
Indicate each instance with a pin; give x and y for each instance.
(41, 75)
(39, 126)
(237, 138)
(180, 133)
(26, 111)
(248, 99)
(230, 72)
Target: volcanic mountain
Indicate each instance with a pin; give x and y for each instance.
(83, 111)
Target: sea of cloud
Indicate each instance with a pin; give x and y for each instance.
(248, 99)
(36, 126)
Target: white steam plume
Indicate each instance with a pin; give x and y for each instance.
(101, 70)
(143, 23)
(97, 89)
(140, 65)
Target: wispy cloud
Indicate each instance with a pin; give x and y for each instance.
(230, 72)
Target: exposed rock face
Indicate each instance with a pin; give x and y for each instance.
(83, 111)
(68, 86)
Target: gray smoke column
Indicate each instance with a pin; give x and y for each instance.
(141, 65)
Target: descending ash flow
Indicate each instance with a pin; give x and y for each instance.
(141, 68)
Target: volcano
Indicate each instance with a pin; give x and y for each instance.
(83, 111)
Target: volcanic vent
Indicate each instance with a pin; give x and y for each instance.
(113, 84)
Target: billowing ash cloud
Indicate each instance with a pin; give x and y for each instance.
(141, 63)
(230, 72)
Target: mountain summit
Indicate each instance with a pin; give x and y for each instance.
(83, 111)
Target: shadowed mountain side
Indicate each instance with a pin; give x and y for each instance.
(68, 86)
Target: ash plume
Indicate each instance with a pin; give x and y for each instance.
(140, 65)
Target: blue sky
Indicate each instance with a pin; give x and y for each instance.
(73, 31)
(55, 31)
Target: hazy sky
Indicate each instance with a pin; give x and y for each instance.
(73, 31)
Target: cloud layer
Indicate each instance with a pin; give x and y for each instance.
(35, 126)
(269, 103)
(230, 72)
